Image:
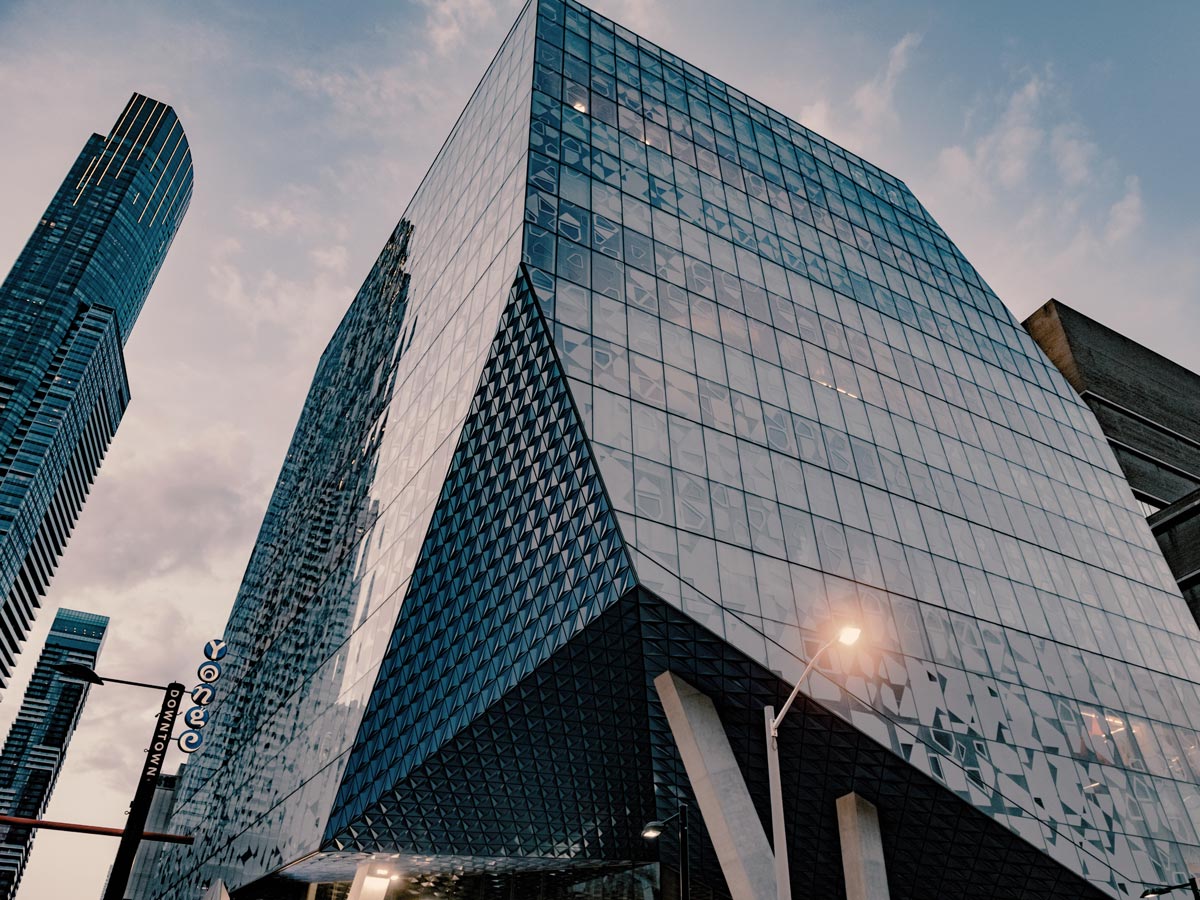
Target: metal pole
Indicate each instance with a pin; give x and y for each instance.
(783, 881)
(47, 825)
(139, 809)
(1195, 888)
(685, 875)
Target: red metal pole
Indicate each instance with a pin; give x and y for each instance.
(96, 829)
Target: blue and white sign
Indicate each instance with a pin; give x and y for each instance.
(202, 695)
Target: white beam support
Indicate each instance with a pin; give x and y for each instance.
(729, 815)
(862, 849)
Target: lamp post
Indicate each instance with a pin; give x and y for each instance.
(655, 828)
(783, 885)
(156, 753)
(1159, 891)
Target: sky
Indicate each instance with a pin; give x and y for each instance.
(1054, 143)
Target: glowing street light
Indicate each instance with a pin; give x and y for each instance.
(847, 636)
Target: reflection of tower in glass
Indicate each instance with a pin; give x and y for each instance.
(37, 743)
(66, 308)
(682, 386)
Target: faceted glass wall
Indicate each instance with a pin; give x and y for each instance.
(800, 405)
(329, 570)
(808, 408)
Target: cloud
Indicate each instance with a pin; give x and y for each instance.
(1125, 216)
(188, 503)
(1073, 154)
(643, 16)
(1043, 209)
(1003, 156)
(865, 123)
(448, 22)
(874, 100)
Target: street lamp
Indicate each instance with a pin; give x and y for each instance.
(1159, 891)
(847, 636)
(156, 753)
(651, 830)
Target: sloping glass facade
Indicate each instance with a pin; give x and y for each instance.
(36, 745)
(66, 308)
(737, 388)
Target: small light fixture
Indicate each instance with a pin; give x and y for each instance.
(849, 635)
(580, 106)
(653, 830)
(1154, 892)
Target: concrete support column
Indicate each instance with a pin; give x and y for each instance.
(371, 881)
(216, 891)
(725, 805)
(311, 893)
(862, 849)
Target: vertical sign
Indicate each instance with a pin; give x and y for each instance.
(202, 695)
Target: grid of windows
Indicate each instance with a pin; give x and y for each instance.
(807, 406)
(804, 406)
(355, 497)
(36, 744)
(66, 307)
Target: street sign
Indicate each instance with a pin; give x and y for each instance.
(203, 694)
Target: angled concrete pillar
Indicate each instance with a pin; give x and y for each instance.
(862, 849)
(729, 815)
(216, 891)
(311, 893)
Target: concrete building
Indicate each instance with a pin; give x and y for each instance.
(1149, 410)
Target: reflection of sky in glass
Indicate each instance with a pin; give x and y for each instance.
(354, 500)
(806, 408)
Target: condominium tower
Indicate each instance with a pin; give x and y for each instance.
(652, 379)
(36, 746)
(66, 308)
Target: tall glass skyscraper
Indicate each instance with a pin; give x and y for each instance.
(37, 743)
(66, 309)
(652, 378)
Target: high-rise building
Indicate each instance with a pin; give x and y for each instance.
(145, 863)
(1149, 409)
(66, 309)
(37, 742)
(651, 378)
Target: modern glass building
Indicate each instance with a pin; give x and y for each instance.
(37, 742)
(66, 308)
(652, 378)
(145, 863)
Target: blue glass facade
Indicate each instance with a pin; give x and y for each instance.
(36, 745)
(66, 308)
(737, 387)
